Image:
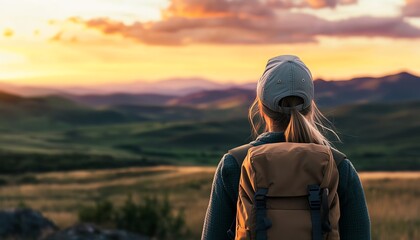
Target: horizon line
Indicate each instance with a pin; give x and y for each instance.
(201, 78)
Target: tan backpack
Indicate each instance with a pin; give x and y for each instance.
(287, 191)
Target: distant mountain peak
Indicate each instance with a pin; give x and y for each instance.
(401, 86)
(403, 75)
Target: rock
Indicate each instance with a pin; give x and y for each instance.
(87, 231)
(27, 224)
(24, 223)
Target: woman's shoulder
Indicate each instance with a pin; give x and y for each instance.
(338, 156)
(228, 165)
(227, 175)
(343, 163)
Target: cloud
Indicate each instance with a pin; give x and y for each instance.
(224, 8)
(312, 3)
(393, 27)
(285, 28)
(248, 22)
(8, 32)
(411, 8)
(219, 30)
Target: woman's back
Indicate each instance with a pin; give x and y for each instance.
(286, 112)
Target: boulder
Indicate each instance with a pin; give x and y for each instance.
(24, 223)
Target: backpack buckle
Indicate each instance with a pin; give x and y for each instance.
(260, 198)
(261, 194)
(314, 197)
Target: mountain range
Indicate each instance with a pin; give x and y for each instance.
(198, 127)
(202, 93)
(173, 86)
(391, 88)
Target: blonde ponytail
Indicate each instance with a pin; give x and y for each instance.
(305, 126)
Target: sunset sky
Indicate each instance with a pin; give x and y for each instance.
(87, 42)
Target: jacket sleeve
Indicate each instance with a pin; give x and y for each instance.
(221, 210)
(354, 220)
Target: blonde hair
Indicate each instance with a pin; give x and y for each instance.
(306, 126)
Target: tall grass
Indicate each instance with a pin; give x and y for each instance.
(394, 206)
(393, 200)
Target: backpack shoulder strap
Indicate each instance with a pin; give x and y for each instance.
(338, 156)
(239, 153)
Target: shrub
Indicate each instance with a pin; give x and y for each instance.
(151, 217)
(102, 213)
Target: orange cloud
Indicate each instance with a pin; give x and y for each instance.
(412, 8)
(286, 27)
(8, 32)
(215, 8)
(196, 9)
(310, 3)
(249, 22)
(328, 3)
(226, 8)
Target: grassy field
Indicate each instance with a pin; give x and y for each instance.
(393, 198)
(375, 137)
(51, 133)
(57, 156)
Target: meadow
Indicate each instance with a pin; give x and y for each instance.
(393, 198)
(58, 157)
(375, 137)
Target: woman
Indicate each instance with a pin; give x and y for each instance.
(287, 111)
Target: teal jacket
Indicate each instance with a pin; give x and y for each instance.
(354, 220)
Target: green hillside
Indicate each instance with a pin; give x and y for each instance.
(51, 133)
(385, 137)
(58, 113)
(53, 112)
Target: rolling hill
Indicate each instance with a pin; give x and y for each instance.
(31, 113)
(219, 99)
(56, 112)
(202, 93)
(172, 86)
(98, 100)
(378, 119)
(392, 88)
(36, 131)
